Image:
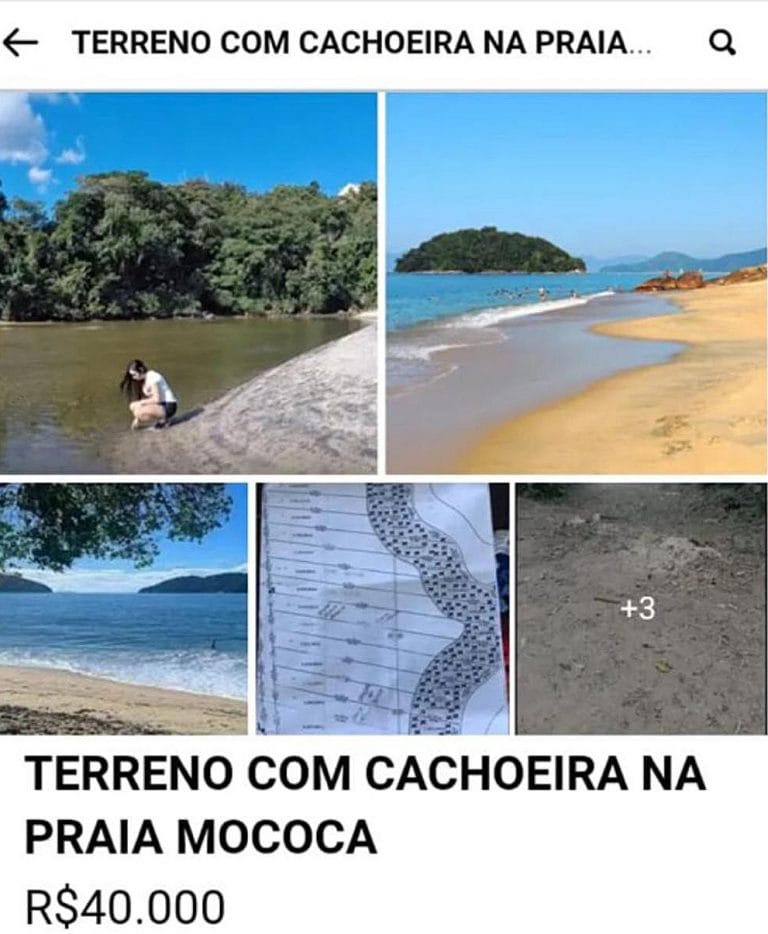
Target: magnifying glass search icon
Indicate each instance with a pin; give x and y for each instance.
(721, 40)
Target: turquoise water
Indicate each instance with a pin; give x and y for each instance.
(418, 298)
(451, 379)
(189, 642)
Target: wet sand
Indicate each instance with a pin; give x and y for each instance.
(314, 414)
(48, 701)
(701, 412)
(450, 383)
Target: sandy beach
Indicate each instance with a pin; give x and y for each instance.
(49, 701)
(315, 413)
(703, 411)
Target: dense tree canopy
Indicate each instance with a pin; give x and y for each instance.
(50, 525)
(121, 245)
(487, 249)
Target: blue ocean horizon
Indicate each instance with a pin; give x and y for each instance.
(186, 642)
(420, 298)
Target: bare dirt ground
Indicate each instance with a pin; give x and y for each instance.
(698, 666)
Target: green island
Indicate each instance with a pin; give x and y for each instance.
(15, 583)
(123, 246)
(228, 582)
(487, 250)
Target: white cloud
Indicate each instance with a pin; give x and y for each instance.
(57, 97)
(40, 177)
(24, 137)
(83, 580)
(22, 132)
(72, 156)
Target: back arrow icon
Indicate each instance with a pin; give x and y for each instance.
(10, 42)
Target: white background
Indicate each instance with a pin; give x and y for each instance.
(448, 861)
(676, 33)
(545, 861)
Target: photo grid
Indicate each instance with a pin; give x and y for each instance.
(486, 458)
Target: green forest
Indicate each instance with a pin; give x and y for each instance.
(485, 250)
(122, 245)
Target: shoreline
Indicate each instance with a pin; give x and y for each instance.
(416, 300)
(55, 701)
(702, 411)
(487, 272)
(488, 316)
(361, 314)
(314, 413)
(449, 387)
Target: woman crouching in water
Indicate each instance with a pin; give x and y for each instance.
(152, 399)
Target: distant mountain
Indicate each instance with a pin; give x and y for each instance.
(597, 263)
(487, 250)
(15, 583)
(231, 582)
(675, 261)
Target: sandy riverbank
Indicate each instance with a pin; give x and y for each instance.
(701, 412)
(315, 413)
(38, 701)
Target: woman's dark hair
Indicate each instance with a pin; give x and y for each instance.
(130, 386)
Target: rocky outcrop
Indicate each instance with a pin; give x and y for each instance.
(690, 280)
(315, 413)
(748, 274)
(665, 283)
(695, 280)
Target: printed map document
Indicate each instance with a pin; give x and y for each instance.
(378, 610)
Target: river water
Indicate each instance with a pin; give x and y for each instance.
(60, 408)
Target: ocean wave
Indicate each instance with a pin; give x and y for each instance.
(421, 344)
(490, 317)
(212, 672)
(414, 351)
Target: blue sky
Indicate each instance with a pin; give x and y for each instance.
(225, 549)
(257, 140)
(597, 174)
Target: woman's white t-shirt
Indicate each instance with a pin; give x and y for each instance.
(153, 378)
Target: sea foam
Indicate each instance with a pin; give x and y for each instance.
(490, 317)
(220, 674)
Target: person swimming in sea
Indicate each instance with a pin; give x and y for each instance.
(152, 401)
